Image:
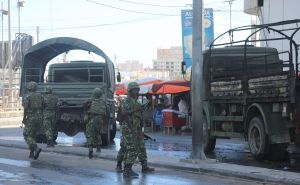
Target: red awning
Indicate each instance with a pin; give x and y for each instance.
(171, 87)
(120, 89)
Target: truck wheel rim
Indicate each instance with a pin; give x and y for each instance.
(255, 139)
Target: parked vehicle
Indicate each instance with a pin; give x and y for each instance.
(72, 82)
(252, 91)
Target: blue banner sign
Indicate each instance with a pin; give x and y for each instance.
(187, 32)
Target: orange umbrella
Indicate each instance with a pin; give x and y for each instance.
(171, 87)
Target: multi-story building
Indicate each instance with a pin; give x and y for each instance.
(130, 65)
(169, 60)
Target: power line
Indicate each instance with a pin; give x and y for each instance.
(132, 11)
(94, 26)
(155, 5)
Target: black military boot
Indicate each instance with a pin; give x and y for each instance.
(90, 152)
(128, 173)
(37, 153)
(98, 148)
(119, 167)
(31, 154)
(146, 168)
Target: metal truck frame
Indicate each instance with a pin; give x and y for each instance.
(253, 92)
(72, 95)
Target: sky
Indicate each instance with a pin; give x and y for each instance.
(123, 29)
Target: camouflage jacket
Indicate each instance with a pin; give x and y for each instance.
(33, 103)
(50, 102)
(98, 107)
(132, 122)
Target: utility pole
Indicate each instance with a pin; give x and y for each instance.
(9, 54)
(37, 34)
(197, 83)
(19, 5)
(230, 4)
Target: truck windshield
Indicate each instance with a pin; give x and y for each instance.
(78, 75)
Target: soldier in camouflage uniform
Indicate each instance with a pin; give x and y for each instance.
(49, 120)
(32, 119)
(96, 117)
(132, 143)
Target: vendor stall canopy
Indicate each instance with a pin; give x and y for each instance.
(145, 86)
(171, 87)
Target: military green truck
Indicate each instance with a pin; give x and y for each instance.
(252, 90)
(72, 82)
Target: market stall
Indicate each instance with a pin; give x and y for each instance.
(173, 118)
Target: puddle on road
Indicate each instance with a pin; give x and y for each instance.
(6, 176)
(18, 163)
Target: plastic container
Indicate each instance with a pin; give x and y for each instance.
(171, 120)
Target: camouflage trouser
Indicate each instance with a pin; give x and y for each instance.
(121, 153)
(134, 147)
(94, 130)
(142, 155)
(31, 128)
(49, 122)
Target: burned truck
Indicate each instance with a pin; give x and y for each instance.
(252, 90)
(72, 82)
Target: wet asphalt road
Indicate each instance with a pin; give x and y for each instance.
(227, 150)
(58, 169)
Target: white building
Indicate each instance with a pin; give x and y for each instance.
(270, 11)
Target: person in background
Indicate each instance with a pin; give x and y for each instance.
(182, 105)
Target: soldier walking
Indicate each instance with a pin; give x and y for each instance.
(96, 117)
(49, 119)
(32, 119)
(132, 143)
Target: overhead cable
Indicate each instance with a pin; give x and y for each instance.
(132, 11)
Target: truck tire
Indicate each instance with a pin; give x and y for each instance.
(257, 139)
(209, 142)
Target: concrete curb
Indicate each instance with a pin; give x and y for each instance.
(207, 166)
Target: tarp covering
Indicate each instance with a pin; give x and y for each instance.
(40, 54)
(171, 87)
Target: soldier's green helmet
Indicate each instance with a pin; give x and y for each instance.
(48, 89)
(132, 85)
(32, 86)
(97, 93)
